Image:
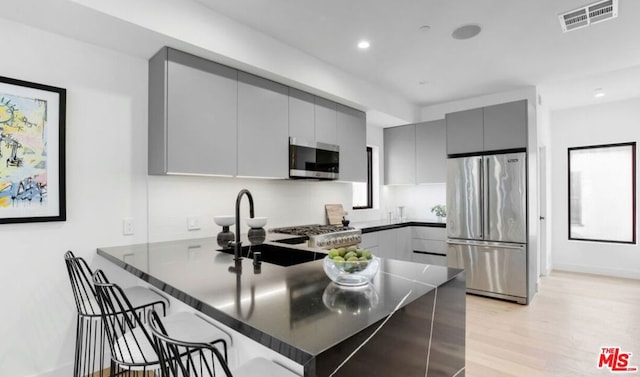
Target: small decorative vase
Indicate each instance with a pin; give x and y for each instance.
(256, 236)
(225, 237)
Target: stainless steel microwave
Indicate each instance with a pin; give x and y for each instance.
(309, 159)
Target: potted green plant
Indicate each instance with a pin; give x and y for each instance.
(440, 210)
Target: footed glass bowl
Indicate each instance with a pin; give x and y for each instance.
(353, 300)
(351, 273)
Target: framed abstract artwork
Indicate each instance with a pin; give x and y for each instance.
(32, 152)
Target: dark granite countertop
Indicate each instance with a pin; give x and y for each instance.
(296, 311)
(378, 225)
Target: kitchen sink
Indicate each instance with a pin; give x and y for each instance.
(294, 240)
(282, 256)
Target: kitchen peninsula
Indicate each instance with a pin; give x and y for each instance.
(409, 321)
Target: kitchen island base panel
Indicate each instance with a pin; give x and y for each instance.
(425, 337)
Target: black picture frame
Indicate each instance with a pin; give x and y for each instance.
(32, 152)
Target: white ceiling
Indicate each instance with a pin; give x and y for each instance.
(521, 44)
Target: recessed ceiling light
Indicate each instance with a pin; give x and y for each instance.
(422, 82)
(363, 45)
(598, 93)
(466, 31)
(425, 28)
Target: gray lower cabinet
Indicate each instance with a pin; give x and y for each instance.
(505, 126)
(429, 245)
(192, 115)
(390, 243)
(387, 244)
(400, 155)
(370, 242)
(431, 152)
(352, 139)
(465, 131)
(302, 115)
(414, 244)
(403, 243)
(263, 118)
(438, 260)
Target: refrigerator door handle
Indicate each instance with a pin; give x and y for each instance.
(487, 202)
(486, 244)
(482, 207)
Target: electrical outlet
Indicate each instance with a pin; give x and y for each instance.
(193, 223)
(127, 226)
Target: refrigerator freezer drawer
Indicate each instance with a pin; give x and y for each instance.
(492, 268)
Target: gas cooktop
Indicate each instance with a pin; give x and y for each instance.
(323, 236)
(311, 230)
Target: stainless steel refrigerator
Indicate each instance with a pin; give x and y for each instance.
(487, 223)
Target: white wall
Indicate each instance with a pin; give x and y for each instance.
(375, 139)
(106, 174)
(544, 183)
(106, 182)
(435, 112)
(417, 200)
(285, 203)
(600, 124)
(195, 28)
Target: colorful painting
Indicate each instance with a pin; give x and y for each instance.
(31, 152)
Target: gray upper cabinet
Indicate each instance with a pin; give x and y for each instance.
(505, 126)
(312, 118)
(431, 153)
(490, 128)
(400, 155)
(465, 131)
(207, 118)
(192, 115)
(263, 118)
(301, 114)
(326, 121)
(352, 139)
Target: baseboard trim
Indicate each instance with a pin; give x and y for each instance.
(63, 371)
(611, 272)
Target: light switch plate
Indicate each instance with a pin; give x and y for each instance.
(127, 226)
(193, 223)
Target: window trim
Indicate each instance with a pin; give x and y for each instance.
(633, 191)
(369, 181)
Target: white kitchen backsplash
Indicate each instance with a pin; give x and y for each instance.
(173, 199)
(416, 199)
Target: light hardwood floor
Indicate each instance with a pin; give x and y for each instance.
(560, 333)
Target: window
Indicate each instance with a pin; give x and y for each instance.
(363, 191)
(602, 193)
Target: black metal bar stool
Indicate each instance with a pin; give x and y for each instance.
(130, 341)
(179, 358)
(89, 349)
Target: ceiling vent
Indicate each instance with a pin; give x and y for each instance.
(588, 15)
